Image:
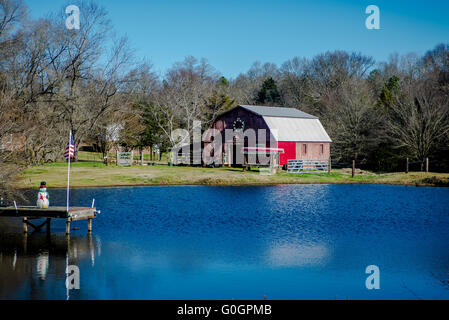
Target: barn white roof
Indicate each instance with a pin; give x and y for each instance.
(278, 112)
(290, 124)
(297, 129)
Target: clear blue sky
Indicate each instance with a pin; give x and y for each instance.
(233, 34)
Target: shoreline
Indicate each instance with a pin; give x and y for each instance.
(240, 185)
(96, 175)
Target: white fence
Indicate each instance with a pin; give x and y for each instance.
(307, 165)
(124, 158)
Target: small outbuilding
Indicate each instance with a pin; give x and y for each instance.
(296, 135)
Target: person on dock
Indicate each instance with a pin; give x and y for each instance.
(43, 199)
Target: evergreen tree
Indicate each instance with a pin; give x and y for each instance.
(218, 102)
(268, 93)
(389, 92)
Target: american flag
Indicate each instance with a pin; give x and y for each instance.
(70, 149)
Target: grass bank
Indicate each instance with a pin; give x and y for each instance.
(96, 174)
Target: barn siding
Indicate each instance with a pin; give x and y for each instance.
(313, 150)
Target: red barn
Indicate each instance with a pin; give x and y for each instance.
(299, 134)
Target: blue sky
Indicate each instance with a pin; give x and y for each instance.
(233, 34)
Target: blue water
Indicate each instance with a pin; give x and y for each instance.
(201, 242)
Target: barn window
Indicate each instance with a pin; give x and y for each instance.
(304, 149)
(321, 148)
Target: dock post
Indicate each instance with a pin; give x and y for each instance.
(25, 225)
(67, 238)
(89, 225)
(25, 242)
(67, 226)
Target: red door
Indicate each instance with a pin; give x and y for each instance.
(289, 151)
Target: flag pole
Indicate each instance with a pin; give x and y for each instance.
(68, 173)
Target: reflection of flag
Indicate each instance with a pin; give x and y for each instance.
(70, 149)
(42, 265)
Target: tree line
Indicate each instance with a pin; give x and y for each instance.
(89, 81)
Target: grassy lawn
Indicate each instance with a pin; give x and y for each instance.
(92, 174)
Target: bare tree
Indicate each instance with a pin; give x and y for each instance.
(294, 83)
(245, 87)
(165, 108)
(12, 17)
(419, 119)
(190, 83)
(353, 122)
(183, 95)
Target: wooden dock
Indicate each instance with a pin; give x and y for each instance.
(32, 213)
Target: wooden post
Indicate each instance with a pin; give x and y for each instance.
(427, 165)
(222, 157)
(25, 225)
(244, 162)
(329, 165)
(141, 157)
(116, 158)
(353, 168)
(272, 168)
(89, 225)
(67, 226)
(68, 243)
(229, 156)
(406, 165)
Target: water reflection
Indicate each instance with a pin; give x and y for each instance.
(194, 242)
(42, 264)
(295, 255)
(28, 262)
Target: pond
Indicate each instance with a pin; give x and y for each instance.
(202, 242)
